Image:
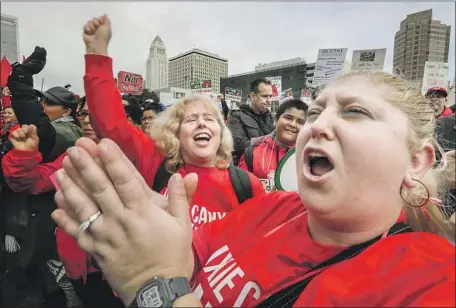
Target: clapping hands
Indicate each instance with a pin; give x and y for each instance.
(135, 238)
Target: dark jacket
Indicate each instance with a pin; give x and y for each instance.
(225, 109)
(446, 136)
(244, 125)
(446, 132)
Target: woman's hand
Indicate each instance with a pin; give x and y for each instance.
(97, 34)
(134, 239)
(25, 138)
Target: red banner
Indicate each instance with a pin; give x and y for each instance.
(130, 83)
(6, 69)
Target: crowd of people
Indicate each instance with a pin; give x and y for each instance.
(109, 201)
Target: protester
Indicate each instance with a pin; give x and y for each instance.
(354, 247)
(263, 159)
(24, 172)
(190, 136)
(252, 120)
(53, 113)
(10, 123)
(149, 113)
(224, 106)
(438, 98)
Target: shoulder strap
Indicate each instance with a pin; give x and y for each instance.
(161, 177)
(288, 296)
(241, 183)
(248, 157)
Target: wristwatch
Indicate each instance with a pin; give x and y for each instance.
(161, 292)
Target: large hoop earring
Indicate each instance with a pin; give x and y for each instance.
(425, 198)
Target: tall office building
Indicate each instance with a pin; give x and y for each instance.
(157, 66)
(10, 38)
(418, 40)
(197, 64)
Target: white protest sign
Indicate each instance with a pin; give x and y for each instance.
(329, 66)
(435, 75)
(368, 60)
(276, 86)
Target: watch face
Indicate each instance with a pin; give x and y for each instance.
(154, 295)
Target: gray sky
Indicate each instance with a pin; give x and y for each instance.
(244, 33)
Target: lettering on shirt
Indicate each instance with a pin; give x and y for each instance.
(201, 215)
(224, 282)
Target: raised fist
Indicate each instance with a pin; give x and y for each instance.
(97, 34)
(25, 138)
(35, 63)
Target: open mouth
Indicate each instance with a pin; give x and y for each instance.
(202, 138)
(319, 163)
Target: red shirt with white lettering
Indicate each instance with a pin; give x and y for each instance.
(258, 250)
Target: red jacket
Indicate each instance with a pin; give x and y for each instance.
(406, 270)
(266, 158)
(11, 130)
(446, 112)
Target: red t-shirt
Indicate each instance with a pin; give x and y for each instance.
(257, 251)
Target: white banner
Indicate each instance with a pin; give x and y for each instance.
(329, 66)
(436, 74)
(368, 60)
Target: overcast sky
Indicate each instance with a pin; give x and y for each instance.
(244, 33)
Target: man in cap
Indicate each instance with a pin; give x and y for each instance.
(438, 98)
(60, 104)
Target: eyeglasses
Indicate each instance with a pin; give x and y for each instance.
(83, 114)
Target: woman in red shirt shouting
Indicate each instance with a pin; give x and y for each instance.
(363, 230)
(190, 136)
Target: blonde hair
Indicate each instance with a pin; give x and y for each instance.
(165, 131)
(422, 131)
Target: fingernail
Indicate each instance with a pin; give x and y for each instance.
(60, 175)
(175, 177)
(73, 152)
(103, 147)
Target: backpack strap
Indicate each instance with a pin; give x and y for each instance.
(289, 295)
(161, 177)
(239, 179)
(248, 157)
(241, 183)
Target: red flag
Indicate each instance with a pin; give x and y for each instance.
(6, 69)
(23, 59)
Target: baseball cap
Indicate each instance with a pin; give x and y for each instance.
(59, 96)
(435, 90)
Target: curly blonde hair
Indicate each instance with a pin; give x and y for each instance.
(422, 125)
(165, 131)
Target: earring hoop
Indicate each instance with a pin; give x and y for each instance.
(426, 198)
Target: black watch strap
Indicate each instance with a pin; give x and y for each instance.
(161, 292)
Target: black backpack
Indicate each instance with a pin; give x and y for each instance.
(248, 157)
(239, 179)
